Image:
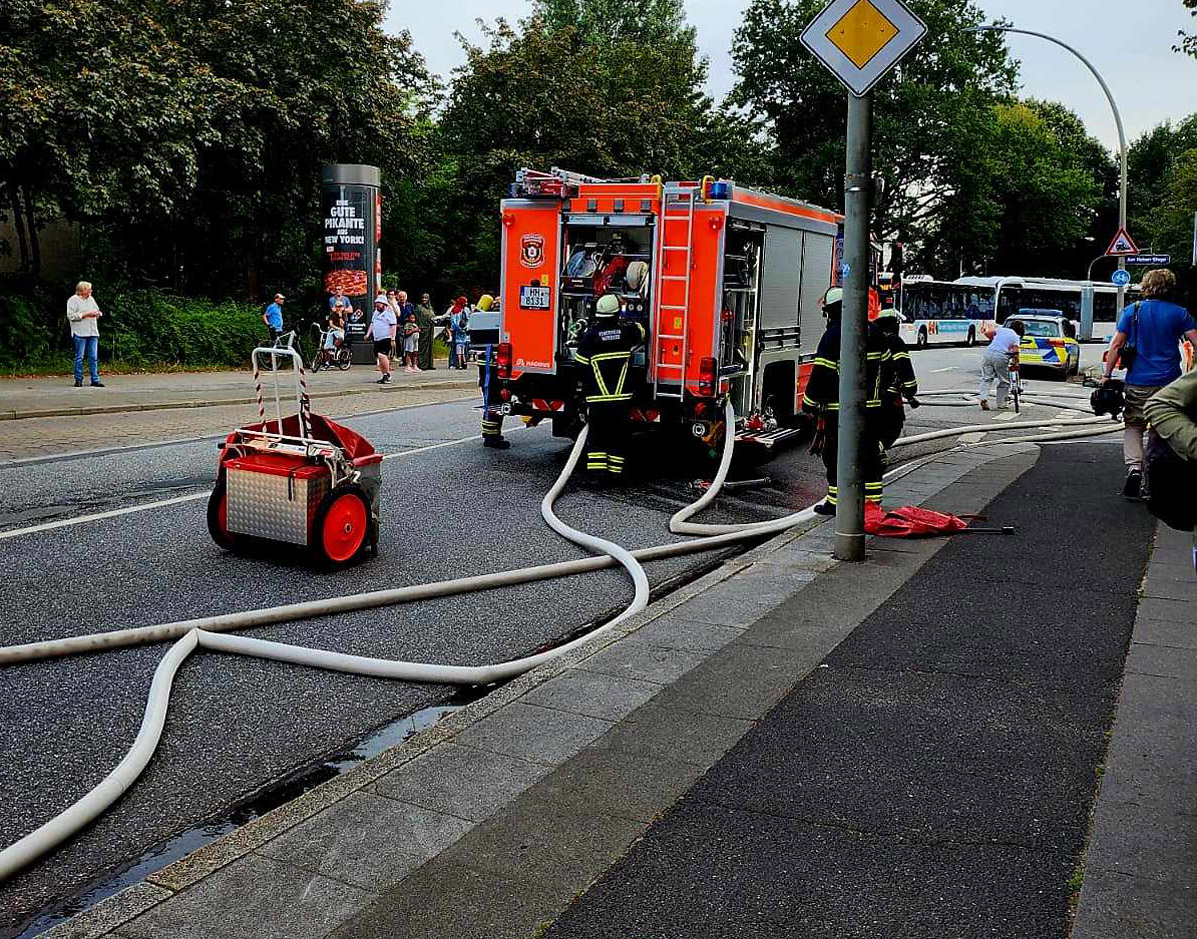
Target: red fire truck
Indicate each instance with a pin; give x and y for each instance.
(726, 281)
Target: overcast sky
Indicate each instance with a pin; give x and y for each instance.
(1130, 43)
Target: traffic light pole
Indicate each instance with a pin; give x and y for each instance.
(858, 184)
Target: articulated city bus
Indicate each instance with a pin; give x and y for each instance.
(963, 310)
(937, 312)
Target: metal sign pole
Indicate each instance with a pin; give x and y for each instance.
(849, 514)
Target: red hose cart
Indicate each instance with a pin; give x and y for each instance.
(301, 479)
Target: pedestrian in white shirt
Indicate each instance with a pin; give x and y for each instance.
(83, 314)
(996, 361)
(383, 327)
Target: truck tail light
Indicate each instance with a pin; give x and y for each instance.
(503, 359)
(706, 377)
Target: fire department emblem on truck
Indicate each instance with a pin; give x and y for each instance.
(532, 251)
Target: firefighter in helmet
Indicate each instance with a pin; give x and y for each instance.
(905, 384)
(821, 402)
(606, 348)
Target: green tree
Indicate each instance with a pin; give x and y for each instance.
(1170, 225)
(1034, 188)
(575, 85)
(926, 116)
(1150, 160)
(189, 136)
(1188, 43)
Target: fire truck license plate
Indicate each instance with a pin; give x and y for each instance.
(534, 298)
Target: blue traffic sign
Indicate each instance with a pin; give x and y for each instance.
(1120, 278)
(1163, 260)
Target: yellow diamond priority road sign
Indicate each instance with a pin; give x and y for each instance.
(861, 40)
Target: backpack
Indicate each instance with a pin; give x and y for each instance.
(1171, 482)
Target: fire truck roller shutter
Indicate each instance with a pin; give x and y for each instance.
(817, 250)
(780, 278)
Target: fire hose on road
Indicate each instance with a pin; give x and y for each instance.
(212, 632)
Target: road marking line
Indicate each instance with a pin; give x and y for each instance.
(1006, 416)
(974, 437)
(950, 368)
(163, 503)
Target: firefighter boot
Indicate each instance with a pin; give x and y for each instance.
(492, 432)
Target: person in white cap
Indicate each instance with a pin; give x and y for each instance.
(383, 327)
(607, 349)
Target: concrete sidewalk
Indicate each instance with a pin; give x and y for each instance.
(22, 398)
(714, 768)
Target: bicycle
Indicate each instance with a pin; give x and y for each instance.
(1015, 374)
(340, 356)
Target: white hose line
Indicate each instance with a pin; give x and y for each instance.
(972, 393)
(23, 852)
(83, 812)
(312, 609)
(997, 428)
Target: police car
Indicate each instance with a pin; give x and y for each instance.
(1049, 342)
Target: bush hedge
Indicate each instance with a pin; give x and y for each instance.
(141, 329)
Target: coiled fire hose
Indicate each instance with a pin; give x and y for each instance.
(210, 632)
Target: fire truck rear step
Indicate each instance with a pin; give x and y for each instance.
(770, 439)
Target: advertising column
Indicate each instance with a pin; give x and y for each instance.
(351, 206)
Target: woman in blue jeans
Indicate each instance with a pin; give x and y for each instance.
(84, 315)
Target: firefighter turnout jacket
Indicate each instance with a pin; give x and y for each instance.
(822, 402)
(607, 348)
(904, 383)
(822, 396)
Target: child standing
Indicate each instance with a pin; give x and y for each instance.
(411, 343)
(460, 325)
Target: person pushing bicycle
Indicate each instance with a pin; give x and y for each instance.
(999, 360)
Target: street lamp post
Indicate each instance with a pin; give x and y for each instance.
(1122, 191)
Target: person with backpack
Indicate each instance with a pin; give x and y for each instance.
(1147, 345)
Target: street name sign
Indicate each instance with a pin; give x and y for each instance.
(1161, 259)
(1122, 246)
(859, 41)
(1120, 278)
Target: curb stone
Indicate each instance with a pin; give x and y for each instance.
(108, 916)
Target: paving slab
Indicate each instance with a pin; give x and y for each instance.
(1140, 880)
(255, 896)
(643, 661)
(447, 900)
(538, 734)
(460, 781)
(367, 841)
(594, 694)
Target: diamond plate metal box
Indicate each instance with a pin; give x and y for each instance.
(266, 504)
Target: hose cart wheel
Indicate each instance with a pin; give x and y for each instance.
(218, 512)
(342, 529)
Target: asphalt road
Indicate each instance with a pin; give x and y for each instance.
(238, 725)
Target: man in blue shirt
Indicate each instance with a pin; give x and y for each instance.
(273, 317)
(1153, 328)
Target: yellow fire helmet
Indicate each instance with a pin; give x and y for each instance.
(485, 302)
